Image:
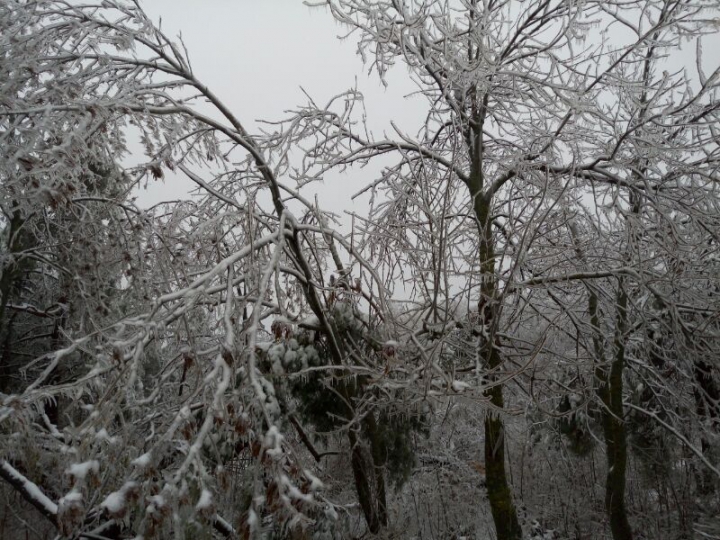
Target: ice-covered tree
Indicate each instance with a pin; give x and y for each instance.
(166, 405)
(534, 109)
(206, 359)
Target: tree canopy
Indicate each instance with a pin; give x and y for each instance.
(516, 339)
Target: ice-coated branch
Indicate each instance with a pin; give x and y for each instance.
(29, 491)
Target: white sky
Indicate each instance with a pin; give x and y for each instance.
(256, 54)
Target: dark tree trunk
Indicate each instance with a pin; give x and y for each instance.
(363, 482)
(10, 279)
(507, 526)
(610, 391)
(707, 406)
(379, 457)
(368, 465)
(503, 510)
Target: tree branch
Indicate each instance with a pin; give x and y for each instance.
(29, 491)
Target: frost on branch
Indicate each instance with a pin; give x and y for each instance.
(536, 268)
(29, 490)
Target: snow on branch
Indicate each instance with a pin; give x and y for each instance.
(30, 491)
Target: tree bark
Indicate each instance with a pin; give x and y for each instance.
(503, 510)
(610, 391)
(707, 407)
(379, 458)
(507, 526)
(363, 482)
(10, 277)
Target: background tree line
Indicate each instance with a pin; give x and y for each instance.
(518, 338)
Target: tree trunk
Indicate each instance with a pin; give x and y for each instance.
(707, 407)
(363, 482)
(379, 458)
(610, 391)
(503, 510)
(10, 277)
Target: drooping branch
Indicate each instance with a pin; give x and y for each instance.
(30, 492)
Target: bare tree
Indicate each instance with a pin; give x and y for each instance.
(558, 182)
(531, 111)
(173, 371)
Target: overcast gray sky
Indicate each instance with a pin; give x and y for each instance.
(256, 54)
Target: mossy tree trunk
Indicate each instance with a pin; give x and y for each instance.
(507, 526)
